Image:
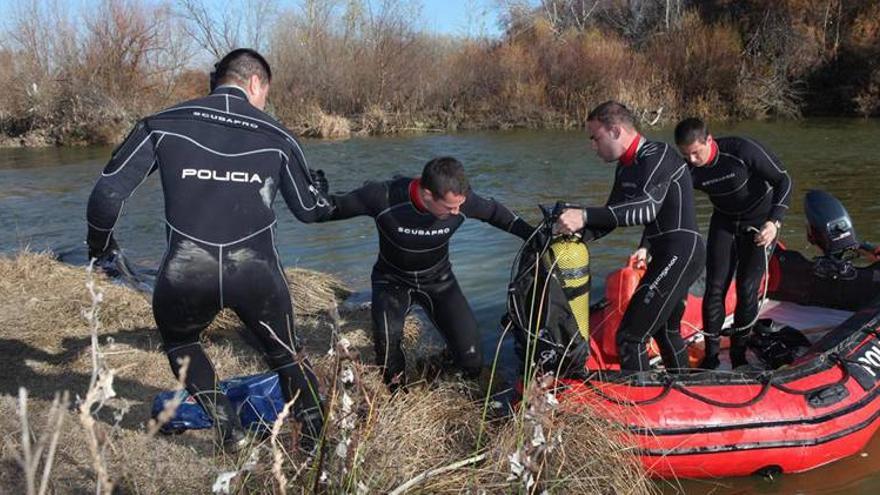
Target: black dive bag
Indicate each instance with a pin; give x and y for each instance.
(548, 305)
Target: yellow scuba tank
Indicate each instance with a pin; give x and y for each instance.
(568, 259)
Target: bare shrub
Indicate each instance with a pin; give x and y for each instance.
(703, 62)
(868, 100)
(86, 77)
(220, 30)
(82, 78)
(32, 455)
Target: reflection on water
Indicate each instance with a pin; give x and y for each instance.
(43, 195)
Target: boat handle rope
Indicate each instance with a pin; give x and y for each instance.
(667, 387)
(857, 363)
(765, 387)
(834, 358)
(765, 380)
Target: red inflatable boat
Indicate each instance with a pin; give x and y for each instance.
(823, 406)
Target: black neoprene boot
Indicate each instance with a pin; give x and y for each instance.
(710, 360)
(312, 421)
(738, 351)
(227, 424)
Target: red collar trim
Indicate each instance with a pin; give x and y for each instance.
(415, 196)
(629, 157)
(713, 153)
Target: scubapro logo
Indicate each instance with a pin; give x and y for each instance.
(405, 230)
(228, 120)
(719, 179)
(205, 174)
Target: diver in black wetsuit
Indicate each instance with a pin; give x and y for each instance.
(750, 191)
(415, 219)
(652, 187)
(222, 161)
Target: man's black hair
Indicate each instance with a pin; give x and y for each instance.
(444, 175)
(612, 113)
(690, 130)
(238, 66)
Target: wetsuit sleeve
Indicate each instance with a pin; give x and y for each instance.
(644, 242)
(767, 166)
(590, 234)
(129, 166)
(369, 199)
(496, 214)
(642, 209)
(303, 198)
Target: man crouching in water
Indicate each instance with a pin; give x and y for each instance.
(415, 219)
(652, 187)
(222, 161)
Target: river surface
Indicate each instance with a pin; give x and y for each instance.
(43, 196)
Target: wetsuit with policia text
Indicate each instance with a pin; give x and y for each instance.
(652, 187)
(221, 162)
(748, 186)
(413, 267)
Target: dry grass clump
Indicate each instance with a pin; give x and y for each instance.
(41, 294)
(549, 448)
(428, 440)
(317, 123)
(415, 432)
(138, 463)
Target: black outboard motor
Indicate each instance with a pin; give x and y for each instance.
(830, 280)
(828, 224)
(830, 228)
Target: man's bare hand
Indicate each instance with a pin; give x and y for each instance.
(571, 221)
(767, 235)
(641, 257)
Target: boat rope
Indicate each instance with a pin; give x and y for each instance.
(765, 387)
(744, 329)
(834, 358)
(765, 379)
(858, 363)
(667, 387)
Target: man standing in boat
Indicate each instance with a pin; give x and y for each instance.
(222, 161)
(652, 188)
(750, 191)
(415, 219)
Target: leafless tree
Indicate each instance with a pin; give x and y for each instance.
(235, 25)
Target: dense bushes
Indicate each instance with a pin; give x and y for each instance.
(368, 67)
(82, 79)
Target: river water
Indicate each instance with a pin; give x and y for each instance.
(43, 194)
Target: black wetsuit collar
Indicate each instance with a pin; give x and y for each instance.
(231, 91)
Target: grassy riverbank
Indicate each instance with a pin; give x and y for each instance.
(375, 443)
